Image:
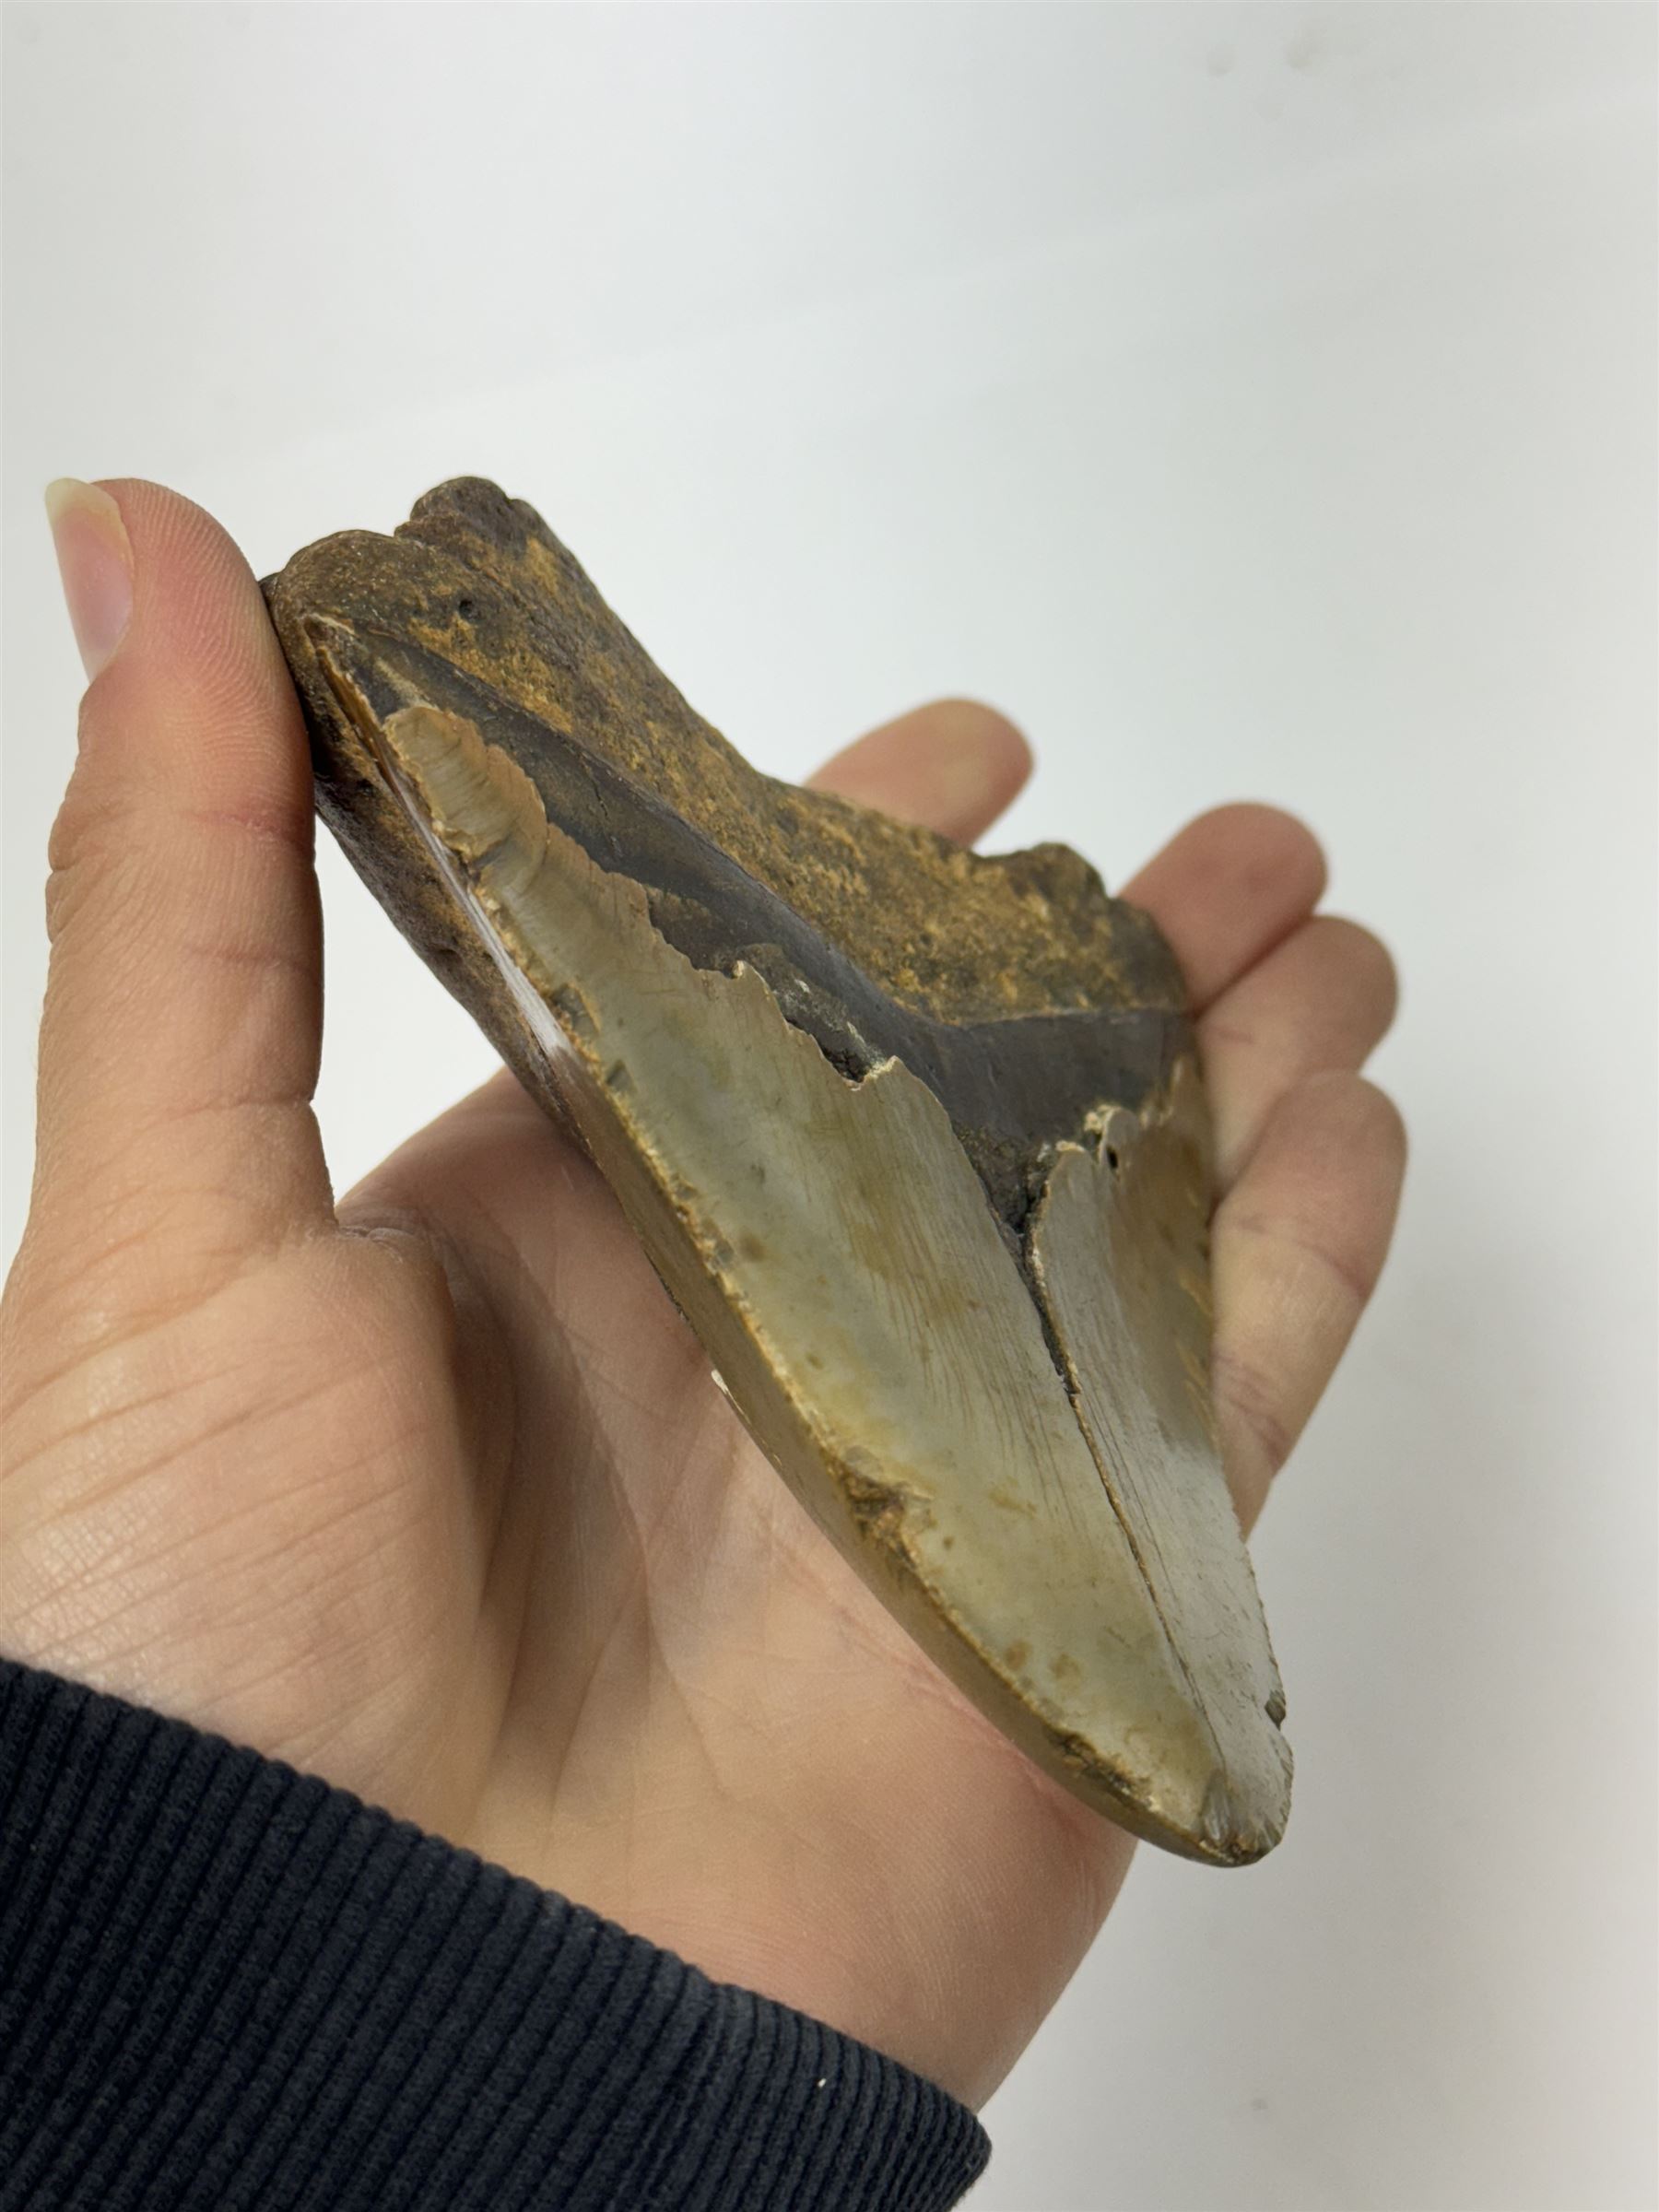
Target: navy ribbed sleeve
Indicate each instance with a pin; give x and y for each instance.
(227, 1987)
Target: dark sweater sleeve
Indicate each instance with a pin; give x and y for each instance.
(226, 1985)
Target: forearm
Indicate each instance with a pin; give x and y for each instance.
(220, 1978)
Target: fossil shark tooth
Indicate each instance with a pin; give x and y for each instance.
(915, 1137)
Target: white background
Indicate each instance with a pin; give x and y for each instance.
(1255, 402)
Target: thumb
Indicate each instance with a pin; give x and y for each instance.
(182, 1027)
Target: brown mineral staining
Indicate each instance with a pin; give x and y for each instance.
(1008, 1501)
(1028, 932)
(914, 1135)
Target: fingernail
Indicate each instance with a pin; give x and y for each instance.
(95, 560)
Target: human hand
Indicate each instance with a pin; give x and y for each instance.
(429, 1490)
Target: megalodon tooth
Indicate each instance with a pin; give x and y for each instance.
(915, 1137)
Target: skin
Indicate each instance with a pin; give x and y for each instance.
(426, 1488)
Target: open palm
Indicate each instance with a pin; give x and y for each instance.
(429, 1490)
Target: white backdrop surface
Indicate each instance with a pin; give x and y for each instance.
(1255, 402)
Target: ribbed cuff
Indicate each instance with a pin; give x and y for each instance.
(225, 1984)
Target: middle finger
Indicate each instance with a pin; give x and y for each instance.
(1319, 1004)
